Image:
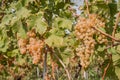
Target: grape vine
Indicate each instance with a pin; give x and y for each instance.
(59, 40)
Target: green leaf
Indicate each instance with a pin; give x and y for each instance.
(118, 5)
(62, 23)
(101, 48)
(20, 14)
(57, 31)
(68, 41)
(21, 61)
(54, 41)
(1, 43)
(118, 48)
(66, 55)
(15, 5)
(117, 35)
(4, 45)
(26, 2)
(112, 50)
(31, 21)
(113, 8)
(116, 60)
(117, 71)
(41, 25)
(22, 11)
(20, 29)
(4, 42)
(6, 19)
(13, 53)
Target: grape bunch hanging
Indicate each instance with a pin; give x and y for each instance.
(85, 32)
(32, 45)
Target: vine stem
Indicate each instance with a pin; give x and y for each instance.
(115, 27)
(69, 78)
(86, 2)
(85, 74)
(115, 44)
(53, 66)
(107, 34)
(38, 72)
(45, 67)
(106, 68)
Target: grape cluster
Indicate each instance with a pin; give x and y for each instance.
(22, 45)
(32, 45)
(85, 32)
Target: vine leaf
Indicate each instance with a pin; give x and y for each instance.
(41, 25)
(117, 71)
(22, 13)
(22, 30)
(112, 50)
(113, 8)
(63, 23)
(66, 55)
(54, 41)
(118, 48)
(101, 48)
(57, 31)
(116, 60)
(4, 43)
(6, 19)
(12, 53)
(19, 29)
(26, 2)
(117, 35)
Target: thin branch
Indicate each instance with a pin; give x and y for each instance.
(115, 44)
(107, 34)
(45, 67)
(86, 2)
(85, 75)
(53, 66)
(115, 27)
(53, 71)
(106, 68)
(38, 72)
(69, 78)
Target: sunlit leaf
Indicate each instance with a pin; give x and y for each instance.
(41, 25)
(54, 41)
(22, 13)
(63, 23)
